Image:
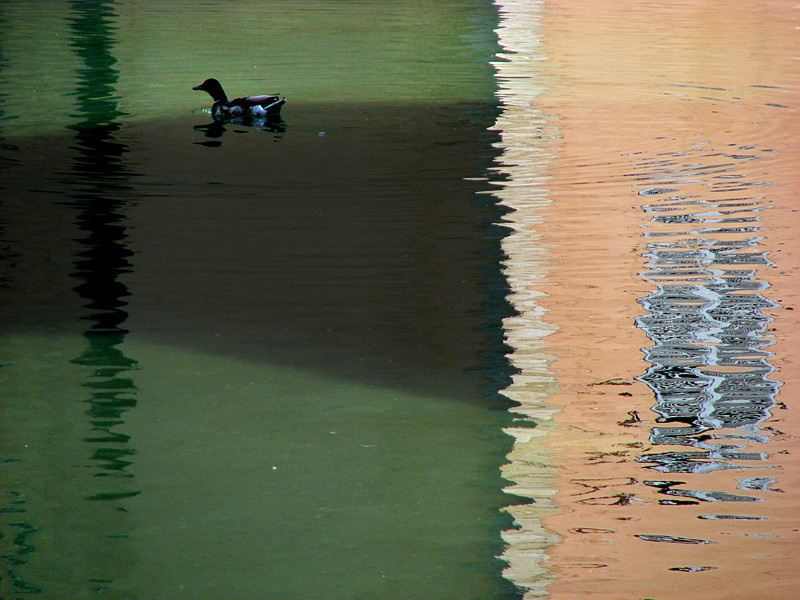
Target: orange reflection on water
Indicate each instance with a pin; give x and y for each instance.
(700, 99)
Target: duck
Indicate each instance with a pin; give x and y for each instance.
(258, 107)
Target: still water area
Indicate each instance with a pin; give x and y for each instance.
(504, 305)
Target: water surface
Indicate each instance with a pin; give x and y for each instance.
(653, 262)
(250, 361)
(266, 361)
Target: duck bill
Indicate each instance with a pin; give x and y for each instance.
(198, 87)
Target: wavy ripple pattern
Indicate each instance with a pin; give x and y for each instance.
(710, 372)
(649, 159)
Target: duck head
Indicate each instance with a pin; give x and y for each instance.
(214, 88)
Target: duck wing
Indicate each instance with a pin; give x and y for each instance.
(249, 101)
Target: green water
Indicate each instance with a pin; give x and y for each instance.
(249, 362)
(143, 58)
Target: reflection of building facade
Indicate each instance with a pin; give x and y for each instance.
(709, 363)
(649, 120)
(524, 139)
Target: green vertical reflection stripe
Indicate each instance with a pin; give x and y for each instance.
(91, 28)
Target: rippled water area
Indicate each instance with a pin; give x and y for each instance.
(250, 359)
(503, 305)
(649, 156)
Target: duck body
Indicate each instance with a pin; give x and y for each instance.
(253, 107)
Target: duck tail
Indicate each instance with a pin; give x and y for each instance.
(276, 106)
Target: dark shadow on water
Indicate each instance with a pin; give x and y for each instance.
(348, 243)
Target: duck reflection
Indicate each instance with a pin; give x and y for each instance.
(216, 128)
